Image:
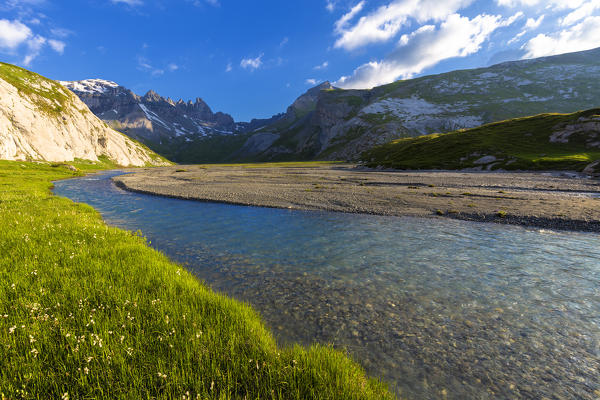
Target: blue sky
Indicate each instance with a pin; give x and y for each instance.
(253, 58)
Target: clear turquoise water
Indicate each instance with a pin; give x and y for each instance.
(436, 307)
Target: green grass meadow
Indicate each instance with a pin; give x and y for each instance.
(519, 144)
(89, 311)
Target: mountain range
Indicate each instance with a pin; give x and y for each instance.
(335, 124)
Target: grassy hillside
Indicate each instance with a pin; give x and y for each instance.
(48, 96)
(90, 311)
(59, 105)
(522, 143)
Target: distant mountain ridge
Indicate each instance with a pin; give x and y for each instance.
(344, 123)
(151, 117)
(41, 120)
(336, 124)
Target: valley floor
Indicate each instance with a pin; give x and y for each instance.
(545, 200)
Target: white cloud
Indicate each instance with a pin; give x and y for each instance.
(585, 10)
(172, 67)
(214, 3)
(330, 6)
(385, 22)
(57, 45)
(457, 36)
(61, 32)
(322, 66)
(341, 23)
(284, 41)
(557, 4)
(311, 82)
(252, 63)
(517, 37)
(34, 46)
(13, 34)
(534, 23)
(530, 24)
(131, 3)
(583, 36)
(145, 65)
(229, 67)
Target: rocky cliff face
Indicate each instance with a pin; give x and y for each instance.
(341, 124)
(151, 118)
(41, 120)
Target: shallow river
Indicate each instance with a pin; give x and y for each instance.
(439, 308)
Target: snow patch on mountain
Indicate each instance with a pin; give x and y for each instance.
(152, 116)
(90, 85)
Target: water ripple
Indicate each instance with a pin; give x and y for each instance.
(440, 308)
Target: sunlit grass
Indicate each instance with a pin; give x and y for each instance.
(520, 143)
(90, 311)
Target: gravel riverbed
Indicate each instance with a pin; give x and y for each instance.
(550, 200)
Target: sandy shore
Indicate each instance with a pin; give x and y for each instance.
(544, 200)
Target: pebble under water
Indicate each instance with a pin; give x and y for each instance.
(438, 308)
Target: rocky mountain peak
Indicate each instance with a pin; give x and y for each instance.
(151, 118)
(151, 97)
(308, 101)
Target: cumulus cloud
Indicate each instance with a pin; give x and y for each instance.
(16, 36)
(585, 10)
(457, 36)
(311, 81)
(583, 36)
(252, 63)
(172, 67)
(534, 23)
(13, 34)
(386, 21)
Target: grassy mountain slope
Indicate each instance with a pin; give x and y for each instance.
(344, 123)
(42, 120)
(90, 311)
(541, 142)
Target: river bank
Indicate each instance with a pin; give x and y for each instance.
(545, 200)
(91, 311)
